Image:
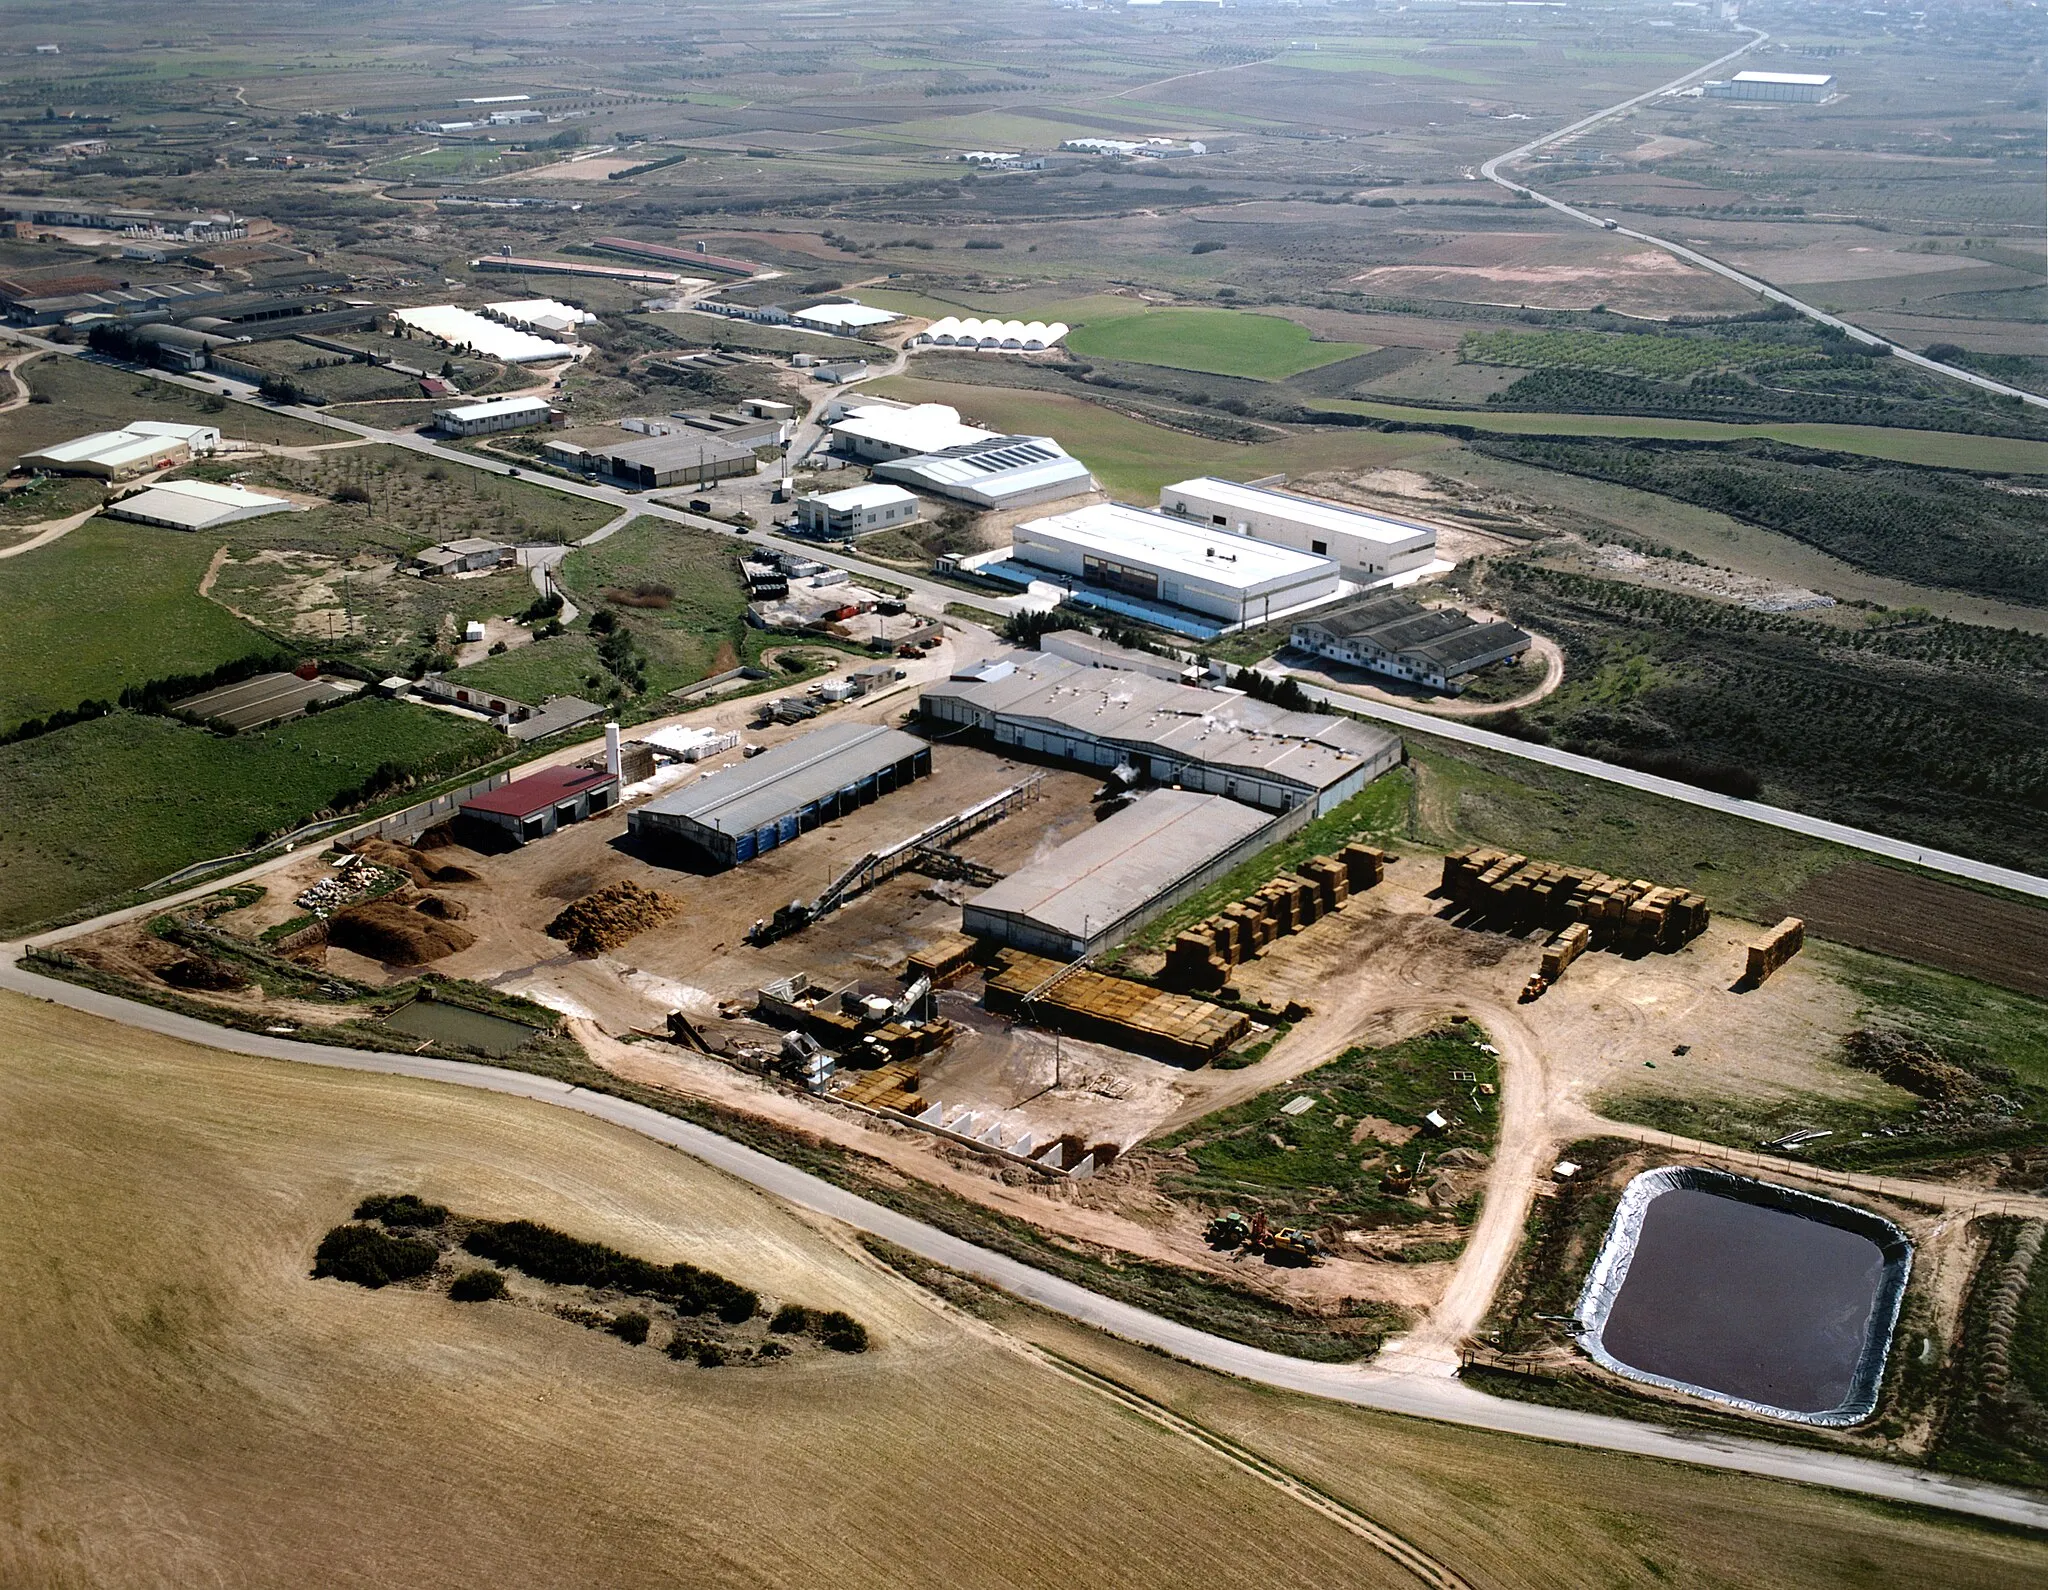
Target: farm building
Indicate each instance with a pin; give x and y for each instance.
(1396, 635)
(110, 455)
(1367, 546)
(1152, 730)
(203, 440)
(463, 556)
(542, 317)
(994, 472)
(495, 414)
(650, 462)
(571, 267)
(878, 431)
(1155, 558)
(992, 336)
(697, 257)
(462, 329)
(533, 807)
(854, 510)
(1794, 88)
(1102, 886)
(748, 809)
(552, 717)
(194, 505)
(266, 699)
(845, 316)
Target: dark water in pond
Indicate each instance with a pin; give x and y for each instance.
(473, 1029)
(1745, 1300)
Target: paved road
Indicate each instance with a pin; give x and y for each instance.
(1422, 1396)
(1491, 171)
(1753, 811)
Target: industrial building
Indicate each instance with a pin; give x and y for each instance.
(697, 257)
(533, 807)
(110, 455)
(495, 414)
(994, 472)
(195, 505)
(855, 510)
(749, 809)
(1078, 645)
(463, 556)
(992, 336)
(845, 317)
(466, 331)
(1395, 635)
(1783, 88)
(878, 430)
(654, 462)
(1141, 729)
(1157, 559)
(1102, 886)
(542, 317)
(1367, 546)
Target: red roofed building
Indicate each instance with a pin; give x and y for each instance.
(535, 806)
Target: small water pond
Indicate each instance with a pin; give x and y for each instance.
(1746, 1293)
(496, 1036)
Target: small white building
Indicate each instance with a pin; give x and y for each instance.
(879, 431)
(1367, 546)
(855, 510)
(494, 414)
(1153, 557)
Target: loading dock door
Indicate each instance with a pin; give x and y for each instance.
(743, 848)
(786, 829)
(565, 813)
(531, 829)
(765, 839)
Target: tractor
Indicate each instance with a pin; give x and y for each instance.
(1229, 1231)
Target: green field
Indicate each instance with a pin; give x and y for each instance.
(1133, 459)
(86, 397)
(1213, 341)
(1625, 353)
(107, 806)
(108, 606)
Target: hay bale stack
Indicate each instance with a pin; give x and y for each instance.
(1774, 949)
(390, 931)
(605, 918)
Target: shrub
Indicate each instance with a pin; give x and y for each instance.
(401, 1209)
(550, 1255)
(1209, 247)
(792, 1319)
(368, 1257)
(709, 1355)
(354, 494)
(478, 1285)
(631, 1327)
(841, 1332)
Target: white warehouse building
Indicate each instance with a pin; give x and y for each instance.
(1138, 553)
(1795, 88)
(996, 472)
(496, 414)
(878, 431)
(1367, 546)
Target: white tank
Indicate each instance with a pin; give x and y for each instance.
(612, 764)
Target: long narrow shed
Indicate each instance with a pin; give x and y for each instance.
(747, 810)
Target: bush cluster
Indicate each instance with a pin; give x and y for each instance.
(368, 1257)
(401, 1209)
(550, 1255)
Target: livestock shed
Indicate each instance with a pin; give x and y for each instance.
(110, 455)
(750, 808)
(464, 328)
(1149, 730)
(1396, 635)
(1156, 558)
(495, 414)
(992, 336)
(194, 505)
(1103, 885)
(266, 699)
(542, 317)
(994, 472)
(845, 316)
(1367, 546)
(533, 807)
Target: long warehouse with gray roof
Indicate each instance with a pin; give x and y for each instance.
(1216, 742)
(1103, 885)
(750, 808)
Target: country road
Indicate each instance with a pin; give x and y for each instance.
(1426, 1396)
(1763, 289)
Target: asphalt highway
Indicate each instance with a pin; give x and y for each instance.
(1422, 1396)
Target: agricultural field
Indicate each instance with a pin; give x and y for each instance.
(74, 396)
(105, 607)
(1221, 342)
(1619, 352)
(164, 795)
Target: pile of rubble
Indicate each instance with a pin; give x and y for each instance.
(355, 878)
(1203, 956)
(1624, 914)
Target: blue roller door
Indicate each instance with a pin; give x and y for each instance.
(786, 828)
(743, 848)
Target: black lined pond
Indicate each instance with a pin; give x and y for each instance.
(1750, 1294)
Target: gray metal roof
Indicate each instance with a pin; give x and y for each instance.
(1123, 864)
(748, 794)
(563, 712)
(1401, 626)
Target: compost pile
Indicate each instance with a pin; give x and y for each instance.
(606, 918)
(398, 934)
(415, 864)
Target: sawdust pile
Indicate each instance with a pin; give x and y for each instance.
(606, 918)
(391, 931)
(414, 863)
(441, 907)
